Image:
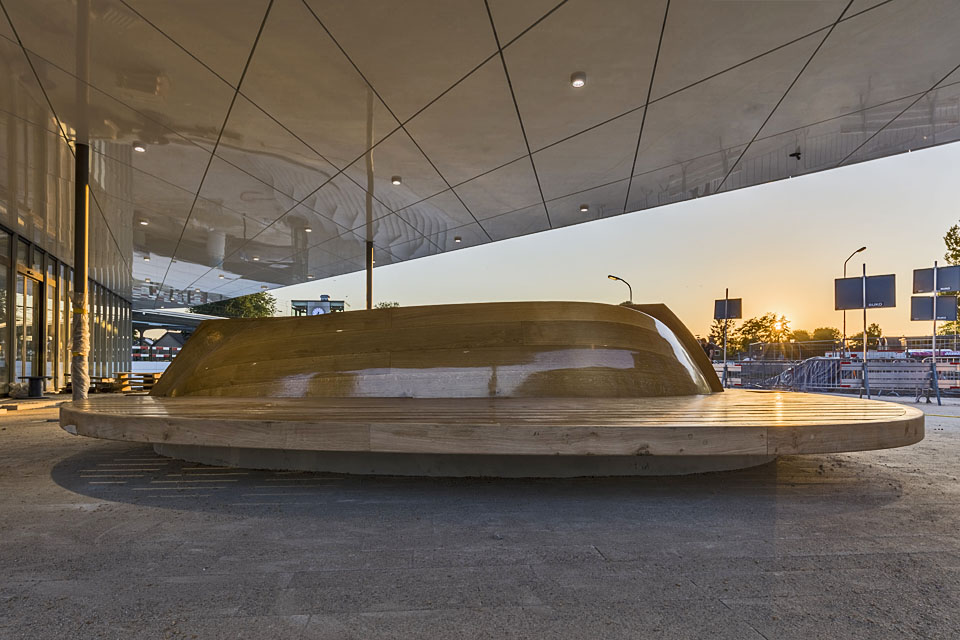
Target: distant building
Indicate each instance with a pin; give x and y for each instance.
(316, 307)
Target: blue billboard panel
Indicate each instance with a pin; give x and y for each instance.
(881, 292)
(948, 279)
(734, 309)
(921, 308)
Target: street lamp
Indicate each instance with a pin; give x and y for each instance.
(843, 345)
(629, 288)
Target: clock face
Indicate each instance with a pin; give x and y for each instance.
(317, 311)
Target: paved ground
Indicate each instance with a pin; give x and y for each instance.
(106, 540)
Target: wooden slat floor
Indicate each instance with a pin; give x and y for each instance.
(732, 422)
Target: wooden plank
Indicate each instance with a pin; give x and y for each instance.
(730, 423)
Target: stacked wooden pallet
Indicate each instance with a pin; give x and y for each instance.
(129, 381)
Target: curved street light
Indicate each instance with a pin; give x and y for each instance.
(629, 288)
(844, 342)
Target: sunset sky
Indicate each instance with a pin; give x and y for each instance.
(778, 246)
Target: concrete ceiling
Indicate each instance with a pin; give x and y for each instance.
(257, 116)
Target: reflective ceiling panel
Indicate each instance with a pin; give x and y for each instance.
(617, 66)
(281, 166)
(724, 111)
(889, 52)
(508, 188)
(218, 32)
(394, 59)
(398, 156)
(596, 156)
(601, 202)
(300, 77)
(512, 18)
(515, 223)
(704, 38)
(473, 128)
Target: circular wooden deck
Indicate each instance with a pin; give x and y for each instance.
(732, 423)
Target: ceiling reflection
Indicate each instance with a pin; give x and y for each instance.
(238, 145)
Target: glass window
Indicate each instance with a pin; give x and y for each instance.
(4, 307)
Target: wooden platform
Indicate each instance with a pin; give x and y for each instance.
(733, 423)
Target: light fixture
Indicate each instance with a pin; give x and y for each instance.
(263, 286)
(139, 147)
(578, 79)
(457, 239)
(220, 276)
(584, 208)
(256, 258)
(147, 280)
(308, 229)
(146, 258)
(309, 276)
(373, 262)
(144, 223)
(396, 180)
(197, 290)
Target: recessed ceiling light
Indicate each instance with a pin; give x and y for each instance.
(457, 239)
(396, 180)
(310, 276)
(220, 276)
(147, 280)
(256, 258)
(308, 229)
(197, 290)
(144, 223)
(584, 208)
(578, 79)
(139, 147)
(146, 258)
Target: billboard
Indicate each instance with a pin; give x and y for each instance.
(734, 309)
(881, 292)
(948, 279)
(921, 308)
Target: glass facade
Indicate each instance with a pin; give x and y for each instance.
(36, 251)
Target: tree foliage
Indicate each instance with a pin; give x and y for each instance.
(386, 305)
(952, 240)
(873, 331)
(826, 333)
(766, 328)
(255, 305)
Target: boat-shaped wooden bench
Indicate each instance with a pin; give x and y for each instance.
(507, 389)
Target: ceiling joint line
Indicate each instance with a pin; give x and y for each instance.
(646, 105)
(516, 107)
(935, 86)
(784, 96)
(282, 126)
(63, 132)
(394, 116)
(213, 153)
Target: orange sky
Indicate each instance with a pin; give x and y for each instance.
(778, 246)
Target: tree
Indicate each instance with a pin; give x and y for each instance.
(952, 240)
(255, 305)
(873, 331)
(800, 335)
(733, 336)
(766, 328)
(826, 333)
(386, 305)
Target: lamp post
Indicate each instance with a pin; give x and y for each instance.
(843, 344)
(629, 288)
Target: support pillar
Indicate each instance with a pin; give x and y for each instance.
(79, 370)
